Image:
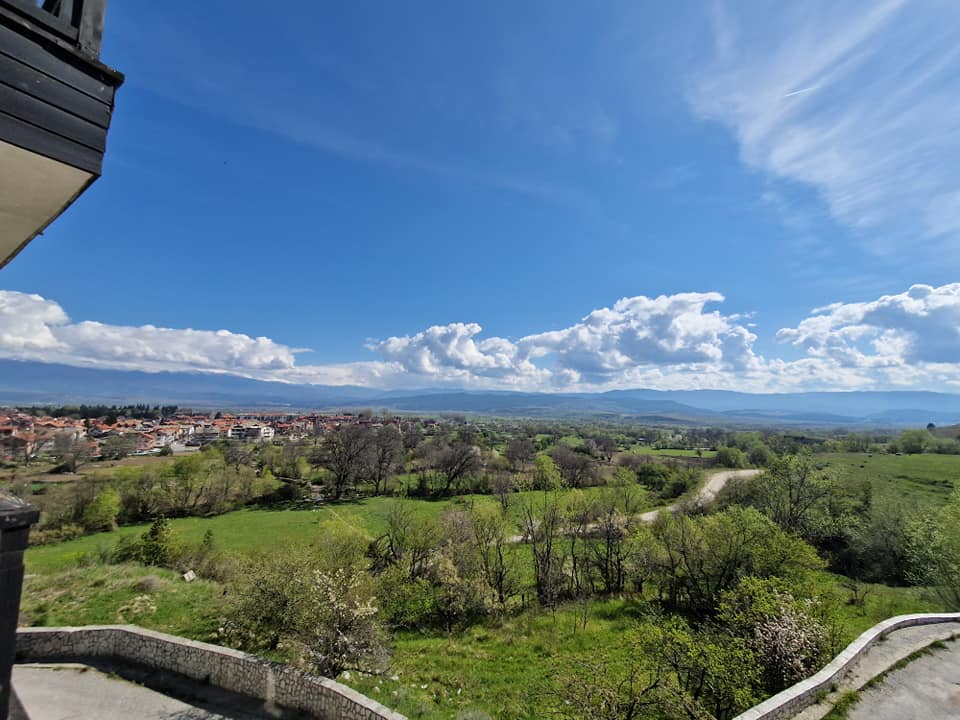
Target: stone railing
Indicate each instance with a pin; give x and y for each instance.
(791, 701)
(276, 686)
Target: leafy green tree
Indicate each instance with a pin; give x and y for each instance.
(546, 476)
(325, 615)
(914, 442)
(102, 512)
(699, 558)
(933, 551)
(731, 457)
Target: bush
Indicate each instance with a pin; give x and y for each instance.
(102, 512)
(731, 457)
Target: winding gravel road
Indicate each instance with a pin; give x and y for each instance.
(714, 484)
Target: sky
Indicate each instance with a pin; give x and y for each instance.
(520, 196)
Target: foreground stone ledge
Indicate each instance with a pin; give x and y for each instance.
(276, 686)
(798, 697)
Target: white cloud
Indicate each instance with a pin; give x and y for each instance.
(906, 340)
(855, 99)
(913, 333)
(34, 328)
(609, 345)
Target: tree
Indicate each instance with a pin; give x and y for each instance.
(456, 461)
(70, 450)
(102, 512)
(576, 468)
(699, 558)
(542, 526)
(933, 550)
(117, 447)
(790, 492)
(914, 442)
(343, 453)
(790, 636)
(519, 452)
(607, 447)
(496, 561)
(731, 457)
(325, 615)
(384, 454)
(156, 544)
(546, 476)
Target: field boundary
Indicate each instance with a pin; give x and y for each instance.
(796, 698)
(277, 685)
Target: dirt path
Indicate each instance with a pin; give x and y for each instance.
(714, 484)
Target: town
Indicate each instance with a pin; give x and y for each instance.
(25, 435)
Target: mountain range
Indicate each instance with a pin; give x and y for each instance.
(32, 383)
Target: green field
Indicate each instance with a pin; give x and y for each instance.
(671, 452)
(254, 530)
(506, 668)
(911, 481)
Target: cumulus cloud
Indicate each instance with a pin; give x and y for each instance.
(34, 328)
(611, 344)
(905, 340)
(902, 337)
(853, 99)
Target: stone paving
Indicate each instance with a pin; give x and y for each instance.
(926, 689)
(70, 691)
(880, 657)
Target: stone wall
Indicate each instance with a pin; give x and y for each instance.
(277, 686)
(791, 701)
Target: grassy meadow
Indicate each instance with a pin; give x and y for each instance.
(502, 668)
(920, 481)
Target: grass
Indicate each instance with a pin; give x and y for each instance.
(506, 669)
(919, 481)
(841, 708)
(102, 595)
(670, 452)
(246, 531)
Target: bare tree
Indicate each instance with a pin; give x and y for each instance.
(385, 452)
(577, 469)
(343, 454)
(70, 449)
(456, 462)
(519, 452)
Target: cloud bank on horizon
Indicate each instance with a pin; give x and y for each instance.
(910, 340)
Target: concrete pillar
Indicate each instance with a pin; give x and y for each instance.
(16, 517)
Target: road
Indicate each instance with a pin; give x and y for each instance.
(714, 484)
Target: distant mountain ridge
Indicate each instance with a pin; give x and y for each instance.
(24, 383)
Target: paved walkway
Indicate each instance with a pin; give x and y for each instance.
(71, 691)
(926, 689)
(880, 657)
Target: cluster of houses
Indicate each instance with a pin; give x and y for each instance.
(23, 435)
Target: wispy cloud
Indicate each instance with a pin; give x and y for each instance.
(857, 100)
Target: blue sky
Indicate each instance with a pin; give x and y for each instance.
(531, 195)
